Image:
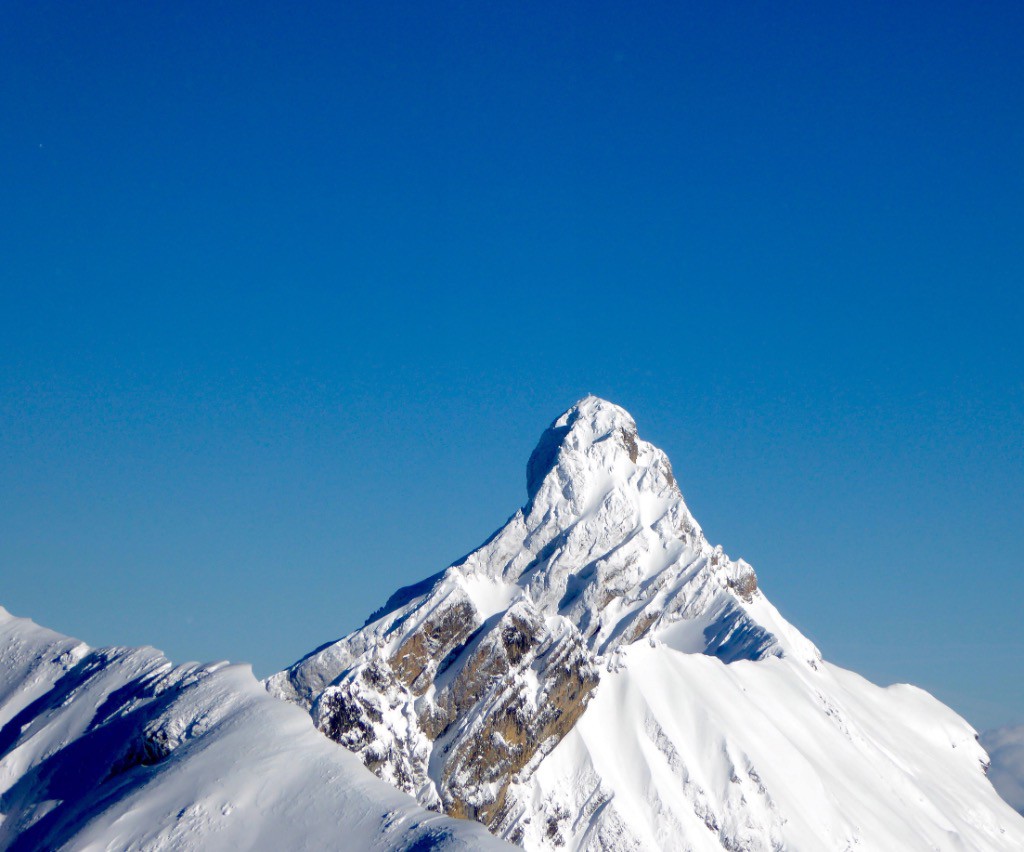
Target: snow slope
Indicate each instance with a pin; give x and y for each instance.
(767, 755)
(1006, 748)
(116, 748)
(597, 675)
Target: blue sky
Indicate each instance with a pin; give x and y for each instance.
(288, 295)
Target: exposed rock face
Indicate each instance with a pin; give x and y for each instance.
(530, 686)
(415, 661)
(462, 684)
(496, 700)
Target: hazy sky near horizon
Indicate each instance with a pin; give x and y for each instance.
(288, 295)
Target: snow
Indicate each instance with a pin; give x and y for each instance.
(757, 754)
(488, 595)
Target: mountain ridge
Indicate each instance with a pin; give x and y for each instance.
(118, 748)
(596, 675)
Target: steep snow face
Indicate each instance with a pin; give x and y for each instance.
(681, 751)
(598, 676)
(1006, 747)
(116, 748)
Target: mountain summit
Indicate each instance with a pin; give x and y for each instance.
(598, 675)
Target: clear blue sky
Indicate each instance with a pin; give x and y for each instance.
(288, 293)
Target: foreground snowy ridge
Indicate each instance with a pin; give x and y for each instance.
(117, 749)
(598, 676)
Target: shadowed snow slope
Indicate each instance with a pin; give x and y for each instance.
(598, 676)
(1006, 748)
(116, 748)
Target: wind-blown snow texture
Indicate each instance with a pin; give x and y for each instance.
(598, 676)
(1006, 748)
(116, 748)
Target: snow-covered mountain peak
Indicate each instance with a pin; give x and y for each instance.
(589, 421)
(593, 445)
(463, 682)
(607, 541)
(591, 466)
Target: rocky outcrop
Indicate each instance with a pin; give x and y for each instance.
(517, 695)
(454, 725)
(416, 660)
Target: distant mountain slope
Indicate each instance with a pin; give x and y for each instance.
(116, 748)
(598, 676)
(1006, 749)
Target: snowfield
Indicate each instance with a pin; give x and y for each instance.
(770, 755)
